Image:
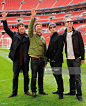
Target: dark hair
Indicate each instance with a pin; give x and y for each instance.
(38, 23)
(20, 23)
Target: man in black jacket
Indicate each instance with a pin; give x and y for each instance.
(55, 57)
(18, 54)
(74, 49)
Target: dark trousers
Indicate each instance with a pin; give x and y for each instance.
(57, 72)
(16, 70)
(37, 65)
(75, 77)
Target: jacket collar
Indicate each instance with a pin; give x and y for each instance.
(39, 35)
(18, 35)
(74, 31)
(54, 34)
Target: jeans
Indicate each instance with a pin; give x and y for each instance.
(57, 72)
(37, 65)
(75, 75)
(16, 70)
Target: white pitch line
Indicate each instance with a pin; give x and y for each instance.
(4, 55)
(9, 79)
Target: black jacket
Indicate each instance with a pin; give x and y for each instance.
(16, 40)
(78, 44)
(55, 48)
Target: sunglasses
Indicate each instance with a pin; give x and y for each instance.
(52, 27)
(69, 21)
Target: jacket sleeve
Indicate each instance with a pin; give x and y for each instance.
(47, 52)
(30, 27)
(64, 37)
(45, 49)
(81, 45)
(60, 48)
(6, 28)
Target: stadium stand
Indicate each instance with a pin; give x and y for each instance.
(62, 3)
(29, 4)
(12, 4)
(12, 18)
(0, 5)
(77, 1)
(10, 22)
(0, 35)
(45, 19)
(47, 37)
(77, 12)
(56, 19)
(46, 4)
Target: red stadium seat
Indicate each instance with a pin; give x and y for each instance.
(12, 4)
(62, 3)
(46, 3)
(76, 1)
(29, 4)
(0, 4)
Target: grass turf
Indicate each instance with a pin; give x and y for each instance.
(6, 76)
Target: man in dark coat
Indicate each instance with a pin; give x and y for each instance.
(18, 54)
(55, 57)
(74, 49)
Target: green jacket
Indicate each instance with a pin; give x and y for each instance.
(37, 45)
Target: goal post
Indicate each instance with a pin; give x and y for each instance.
(6, 42)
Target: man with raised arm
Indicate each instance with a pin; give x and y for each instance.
(37, 51)
(18, 54)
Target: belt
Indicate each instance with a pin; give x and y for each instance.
(37, 58)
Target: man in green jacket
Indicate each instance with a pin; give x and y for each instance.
(37, 51)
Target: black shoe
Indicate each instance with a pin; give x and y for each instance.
(79, 98)
(60, 96)
(34, 94)
(70, 93)
(43, 92)
(57, 92)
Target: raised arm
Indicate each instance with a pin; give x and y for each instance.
(8, 31)
(33, 12)
(31, 24)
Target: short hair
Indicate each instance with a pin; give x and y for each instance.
(37, 23)
(52, 23)
(20, 23)
(66, 19)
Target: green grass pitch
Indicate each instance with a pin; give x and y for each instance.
(6, 76)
